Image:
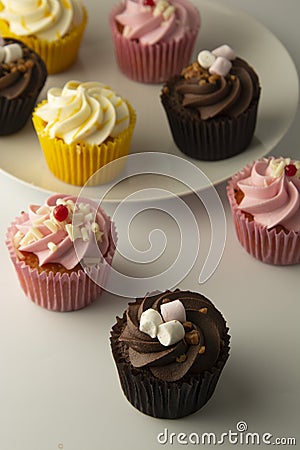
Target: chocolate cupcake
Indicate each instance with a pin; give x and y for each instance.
(212, 105)
(170, 350)
(22, 77)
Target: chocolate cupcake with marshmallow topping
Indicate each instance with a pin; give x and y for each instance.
(170, 350)
(22, 76)
(212, 105)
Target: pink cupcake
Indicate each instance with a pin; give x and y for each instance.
(153, 39)
(62, 252)
(265, 204)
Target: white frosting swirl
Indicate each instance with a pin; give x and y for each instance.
(87, 112)
(46, 19)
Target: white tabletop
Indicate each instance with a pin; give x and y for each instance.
(58, 384)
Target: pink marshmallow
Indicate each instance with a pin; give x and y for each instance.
(225, 51)
(221, 66)
(173, 311)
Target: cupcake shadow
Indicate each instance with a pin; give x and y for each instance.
(236, 395)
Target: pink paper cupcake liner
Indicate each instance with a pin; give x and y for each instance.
(269, 246)
(151, 63)
(60, 291)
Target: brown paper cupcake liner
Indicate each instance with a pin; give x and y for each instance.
(161, 399)
(269, 246)
(213, 139)
(15, 113)
(60, 291)
(151, 63)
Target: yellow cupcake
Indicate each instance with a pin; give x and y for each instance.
(82, 128)
(55, 37)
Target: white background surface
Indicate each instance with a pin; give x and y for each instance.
(58, 384)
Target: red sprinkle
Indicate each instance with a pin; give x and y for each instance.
(290, 170)
(149, 3)
(60, 213)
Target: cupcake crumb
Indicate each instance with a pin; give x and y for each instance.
(192, 337)
(181, 358)
(188, 326)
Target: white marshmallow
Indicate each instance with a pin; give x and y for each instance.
(206, 59)
(2, 54)
(13, 52)
(173, 311)
(170, 333)
(225, 51)
(149, 322)
(221, 66)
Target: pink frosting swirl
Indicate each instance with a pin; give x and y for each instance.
(272, 193)
(85, 234)
(157, 21)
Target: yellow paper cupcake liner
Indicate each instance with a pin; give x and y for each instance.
(76, 163)
(58, 55)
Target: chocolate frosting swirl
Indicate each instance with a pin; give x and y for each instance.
(196, 352)
(215, 95)
(23, 77)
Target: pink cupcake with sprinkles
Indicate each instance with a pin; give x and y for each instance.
(265, 204)
(153, 39)
(62, 252)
